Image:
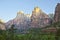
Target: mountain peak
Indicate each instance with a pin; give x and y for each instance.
(37, 9)
(20, 12)
(57, 13)
(58, 3)
(2, 21)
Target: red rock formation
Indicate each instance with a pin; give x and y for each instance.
(39, 18)
(57, 13)
(2, 26)
(21, 21)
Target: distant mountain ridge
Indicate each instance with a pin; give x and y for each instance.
(24, 21)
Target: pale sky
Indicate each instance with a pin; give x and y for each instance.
(9, 8)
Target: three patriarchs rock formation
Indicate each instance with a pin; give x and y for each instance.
(24, 21)
(37, 19)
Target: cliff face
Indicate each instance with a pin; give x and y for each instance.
(39, 18)
(24, 21)
(2, 25)
(21, 21)
(57, 13)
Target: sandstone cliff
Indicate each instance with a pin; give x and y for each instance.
(57, 13)
(2, 25)
(39, 18)
(21, 21)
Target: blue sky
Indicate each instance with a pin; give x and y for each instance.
(9, 8)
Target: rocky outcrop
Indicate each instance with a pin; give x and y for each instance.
(2, 25)
(57, 13)
(39, 18)
(21, 21)
(25, 21)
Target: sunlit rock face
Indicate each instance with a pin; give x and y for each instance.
(2, 25)
(2, 21)
(57, 13)
(24, 21)
(37, 9)
(21, 21)
(39, 18)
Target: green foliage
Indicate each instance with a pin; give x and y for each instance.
(33, 34)
(57, 26)
(51, 15)
(57, 36)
